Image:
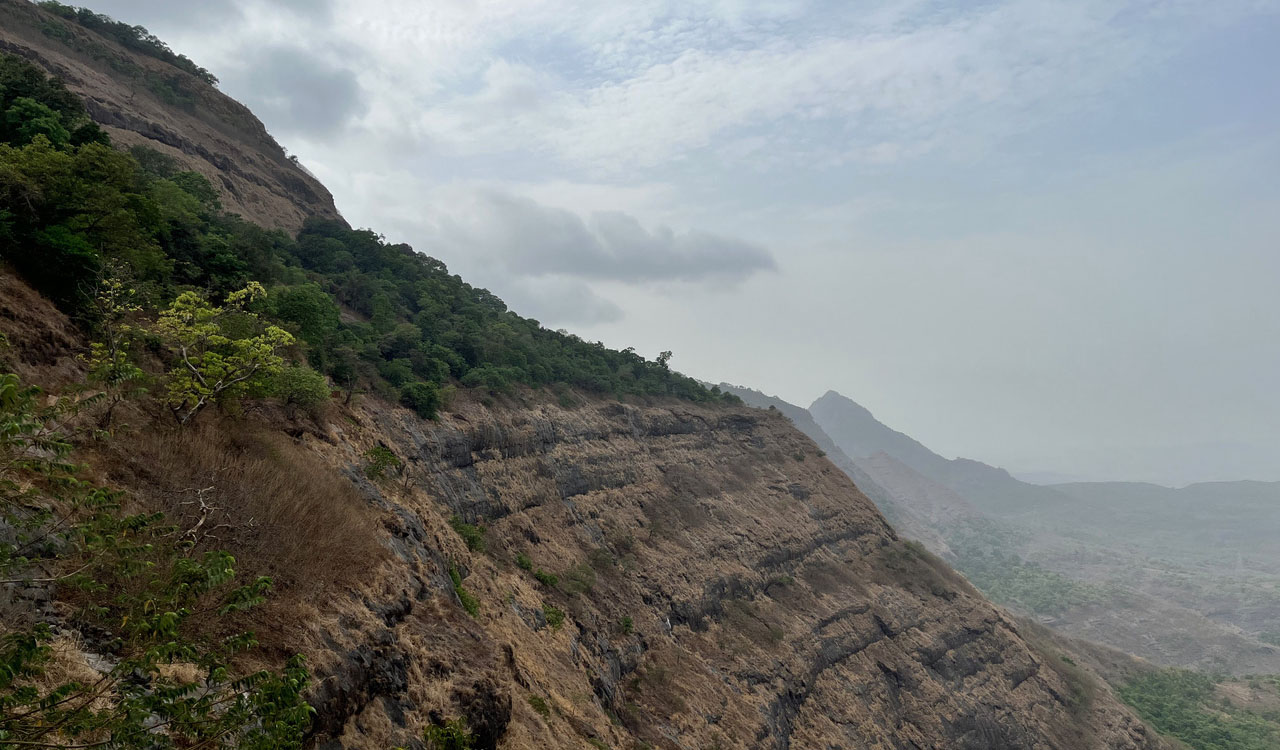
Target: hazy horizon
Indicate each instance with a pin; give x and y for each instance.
(1038, 234)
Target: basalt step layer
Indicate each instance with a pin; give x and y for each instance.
(723, 586)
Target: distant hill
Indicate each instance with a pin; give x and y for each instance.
(898, 509)
(1187, 577)
(860, 435)
(1228, 522)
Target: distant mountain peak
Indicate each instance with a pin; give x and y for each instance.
(860, 435)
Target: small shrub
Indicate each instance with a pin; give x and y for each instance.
(555, 617)
(550, 580)
(472, 534)
(540, 706)
(452, 735)
(468, 601)
(580, 579)
(627, 625)
(523, 562)
(300, 386)
(381, 460)
(422, 397)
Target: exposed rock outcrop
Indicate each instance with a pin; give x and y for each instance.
(766, 603)
(208, 132)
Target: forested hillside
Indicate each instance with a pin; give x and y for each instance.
(80, 215)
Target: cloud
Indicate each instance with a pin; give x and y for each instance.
(558, 302)
(531, 239)
(646, 85)
(298, 90)
(160, 15)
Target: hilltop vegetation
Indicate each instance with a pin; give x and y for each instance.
(135, 38)
(75, 214)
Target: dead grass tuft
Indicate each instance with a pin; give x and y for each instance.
(273, 504)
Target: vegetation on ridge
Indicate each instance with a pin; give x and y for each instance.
(135, 38)
(76, 214)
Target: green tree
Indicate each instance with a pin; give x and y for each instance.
(110, 362)
(214, 360)
(300, 386)
(29, 118)
(423, 398)
(309, 309)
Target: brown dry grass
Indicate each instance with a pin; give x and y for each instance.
(273, 504)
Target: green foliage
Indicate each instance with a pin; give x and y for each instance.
(555, 617)
(550, 580)
(452, 735)
(110, 364)
(423, 398)
(471, 534)
(381, 460)
(465, 598)
(428, 322)
(221, 352)
(33, 105)
(70, 205)
(626, 625)
(982, 555)
(523, 562)
(540, 705)
(134, 38)
(299, 386)
(65, 212)
(307, 310)
(141, 589)
(1182, 704)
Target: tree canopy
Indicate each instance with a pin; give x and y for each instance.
(370, 314)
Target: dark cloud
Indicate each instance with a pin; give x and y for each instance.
(299, 91)
(537, 240)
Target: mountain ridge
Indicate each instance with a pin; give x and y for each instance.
(544, 567)
(992, 489)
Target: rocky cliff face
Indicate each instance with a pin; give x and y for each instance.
(723, 586)
(206, 131)
(718, 582)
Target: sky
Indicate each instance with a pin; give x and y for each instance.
(1044, 234)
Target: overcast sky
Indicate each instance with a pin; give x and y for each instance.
(1042, 234)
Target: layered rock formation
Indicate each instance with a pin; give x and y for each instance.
(723, 584)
